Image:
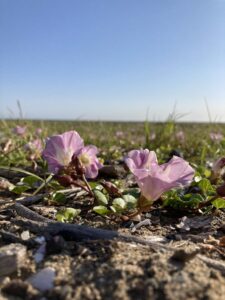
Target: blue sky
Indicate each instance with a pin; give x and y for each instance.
(112, 59)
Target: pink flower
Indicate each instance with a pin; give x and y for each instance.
(139, 161)
(38, 131)
(119, 134)
(180, 136)
(34, 147)
(154, 179)
(19, 130)
(217, 167)
(60, 149)
(216, 136)
(89, 160)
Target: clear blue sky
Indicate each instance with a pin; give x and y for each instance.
(112, 59)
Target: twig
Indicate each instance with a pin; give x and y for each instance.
(30, 200)
(12, 238)
(87, 185)
(27, 201)
(27, 213)
(39, 224)
(9, 174)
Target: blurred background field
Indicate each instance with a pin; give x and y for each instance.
(198, 142)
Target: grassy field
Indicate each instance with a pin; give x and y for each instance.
(115, 138)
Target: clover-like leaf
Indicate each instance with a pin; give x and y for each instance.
(59, 197)
(206, 187)
(101, 210)
(219, 203)
(119, 204)
(100, 197)
(67, 214)
(131, 201)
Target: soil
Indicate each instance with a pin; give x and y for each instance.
(184, 261)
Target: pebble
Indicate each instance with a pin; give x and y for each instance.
(43, 280)
(40, 253)
(25, 235)
(12, 257)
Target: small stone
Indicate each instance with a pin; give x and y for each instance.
(43, 280)
(25, 235)
(136, 218)
(40, 253)
(4, 280)
(12, 257)
(40, 239)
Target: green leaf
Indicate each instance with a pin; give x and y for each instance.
(101, 210)
(30, 180)
(95, 185)
(193, 197)
(59, 198)
(135, 192)
(206, 186)
(67, 214)
(187, 201)
(219, 203)
(207, 173)
(19, 189)
(100, 197)
(119, 204)
(131, 201)
(113, 209)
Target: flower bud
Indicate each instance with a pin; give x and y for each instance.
(221, 190)
(64, 180)
(217, 169)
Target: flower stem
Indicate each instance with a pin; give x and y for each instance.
(81, 186)
(87, 185)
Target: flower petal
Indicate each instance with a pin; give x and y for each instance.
(60, 148)
(140, 162)
(178, 170)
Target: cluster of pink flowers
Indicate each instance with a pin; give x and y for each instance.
(61, 149)
(154, 179)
